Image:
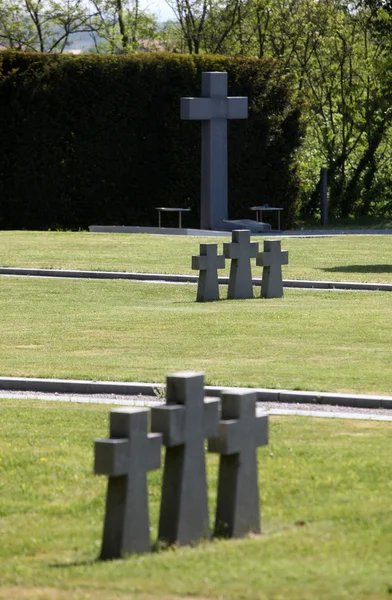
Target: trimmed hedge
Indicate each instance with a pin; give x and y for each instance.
(98, 139)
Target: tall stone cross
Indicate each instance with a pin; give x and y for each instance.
(208, 264)
(126, 457)
(185, 421)
(272, 260)
(240, 250)
(240, 433)
(213, 109)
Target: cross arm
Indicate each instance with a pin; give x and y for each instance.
(262, 430)
(228, 440)
(196, 109)
(199, 263)
(269, 259)
(211, 417)
(154, 441)
(170, 421)
(111, 456)
(237, 107)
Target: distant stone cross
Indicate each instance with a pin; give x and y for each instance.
(240, 250)
(213, 109)
(208, 264)
(185, 421)
(272, 260)
(240, 433)
(126, 457)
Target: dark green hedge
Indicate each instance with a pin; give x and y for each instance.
(98, 139)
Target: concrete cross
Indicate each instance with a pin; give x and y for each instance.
(213, 109)
(240, 433)
(208, 264)
(240, 250)
(126, 457)
(272, 260)
(185, 421)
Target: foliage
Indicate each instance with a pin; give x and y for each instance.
(335, 51)
(94, 139)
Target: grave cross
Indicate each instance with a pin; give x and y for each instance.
(213, 109)
(208, 264)
(240, 433)
(126, 457)
(272, 260)
(240, 250)
(185, 421)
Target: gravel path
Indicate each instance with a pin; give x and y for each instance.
(343, 412)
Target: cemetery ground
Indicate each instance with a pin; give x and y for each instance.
(361, 258)
(325, 485)
(325, 491)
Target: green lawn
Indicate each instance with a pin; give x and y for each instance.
(132, 331)
(347, 258)
(325, 492)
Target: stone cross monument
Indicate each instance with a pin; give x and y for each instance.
(272, 260)
(240, 250)
(240, 433)
(126, 457)
(208, 264)
(213, 109)
(185, 421)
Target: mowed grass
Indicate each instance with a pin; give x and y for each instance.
(131, 331)
(346, 258)
(325, 489)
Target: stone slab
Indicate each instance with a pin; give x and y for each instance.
(253, 226)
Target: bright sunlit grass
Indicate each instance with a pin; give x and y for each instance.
(325, 495)
(133, 331)
(346, 258)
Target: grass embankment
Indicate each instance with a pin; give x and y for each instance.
(351, 258)
(325, 495)
(132, 331)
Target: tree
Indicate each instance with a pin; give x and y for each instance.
(42, 25)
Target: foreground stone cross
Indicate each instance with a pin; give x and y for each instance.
(213, 109)
(126, 457)
(208, 264)
(240, 250)
(185, 421)
(272, 260)
(240, 433)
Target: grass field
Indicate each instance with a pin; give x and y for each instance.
(348, 258)
(133, 331)
(325, 493)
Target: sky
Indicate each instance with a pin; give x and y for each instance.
(159, 7)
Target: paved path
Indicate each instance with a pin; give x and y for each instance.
(272, 408)
(171, 278)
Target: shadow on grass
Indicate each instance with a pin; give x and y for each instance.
(360, 269)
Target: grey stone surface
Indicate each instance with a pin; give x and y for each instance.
(208, 264)
(240, 433)
(253, 226)
(213, 109)
(125, 458)
(240, 250)
(185, 421)
(272, 260)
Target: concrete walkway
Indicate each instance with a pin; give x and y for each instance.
(273, 408)
(136, 388)
(167, 278)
